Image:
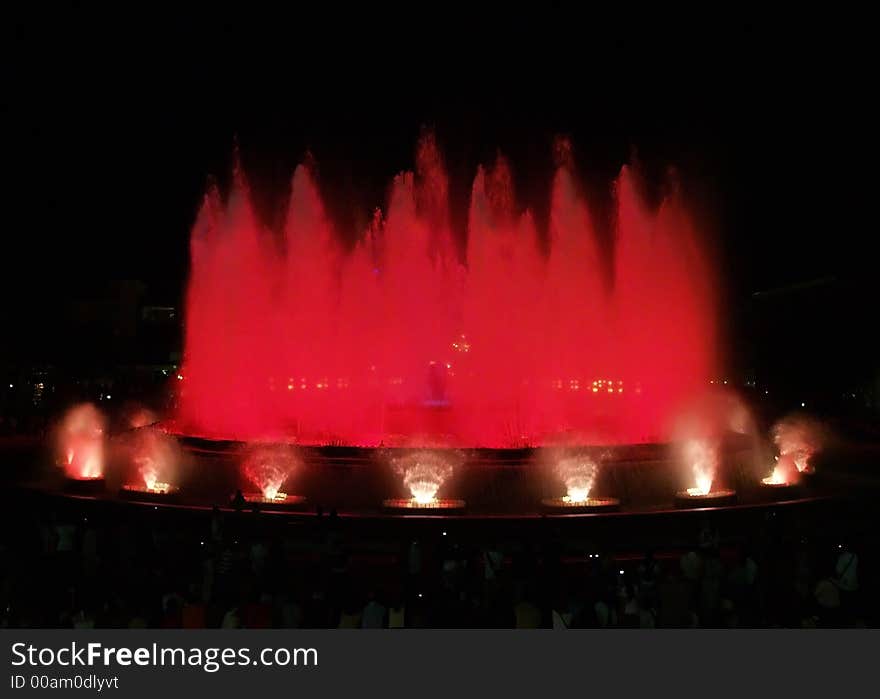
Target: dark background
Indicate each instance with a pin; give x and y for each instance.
(112, 121)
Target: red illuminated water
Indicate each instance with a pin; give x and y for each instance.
(289, 335)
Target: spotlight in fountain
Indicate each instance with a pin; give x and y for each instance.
(785, 475)
(703, 455)
(80, 446)
(578, 473)
(714, 498)
(587, 504)
(424, 471)
(438, 504)
(275, 499)
(156, 491)
(268, 467)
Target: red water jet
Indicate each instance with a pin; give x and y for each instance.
(292, 336)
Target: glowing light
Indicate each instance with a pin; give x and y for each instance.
(576, 495)
(150, 479)
(461, 345)
(704, 485)
(424, 495)
(775, 478)
(158, 487)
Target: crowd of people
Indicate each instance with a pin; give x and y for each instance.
(67, 565)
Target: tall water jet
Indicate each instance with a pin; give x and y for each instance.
(496, 343)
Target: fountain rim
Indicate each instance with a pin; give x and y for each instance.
(353, 453)
(226, 445)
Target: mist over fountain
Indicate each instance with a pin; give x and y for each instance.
(510, 340)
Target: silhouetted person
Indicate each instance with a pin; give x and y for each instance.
(238, 502)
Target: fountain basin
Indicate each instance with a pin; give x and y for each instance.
(444, 505)
(564, 505)
(714, 498)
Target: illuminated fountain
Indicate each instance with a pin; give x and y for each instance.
(80, 446)
(155, 457)
(424, 471)
(785, 474)
(269, 467)
(703, 455)
(493, 334)
(578, 474)
(798, 439)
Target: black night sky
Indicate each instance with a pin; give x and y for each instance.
(113, 121)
